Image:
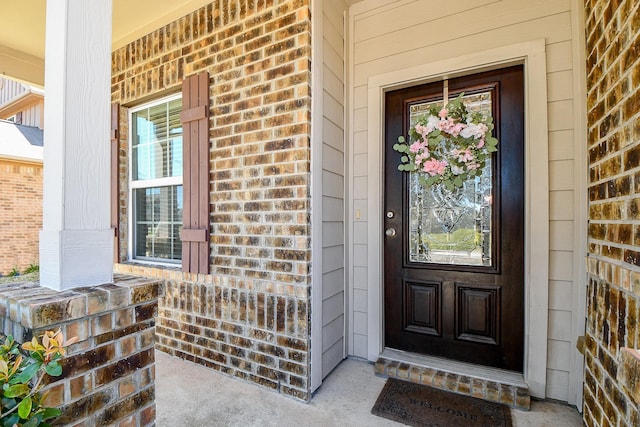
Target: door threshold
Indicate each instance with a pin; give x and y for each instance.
(496, 385)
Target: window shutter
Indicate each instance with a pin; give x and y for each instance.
(195, 145)
(115, 181)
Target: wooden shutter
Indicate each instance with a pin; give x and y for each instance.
(195, 145)
(115, 181)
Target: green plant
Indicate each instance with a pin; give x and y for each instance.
(33, 268)
(21, 378)
(14, 272)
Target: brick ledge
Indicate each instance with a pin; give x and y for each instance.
(35, 306)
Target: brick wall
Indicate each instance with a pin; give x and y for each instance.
(249, 317)
(612, 375)
(20, 214)
(108, 375)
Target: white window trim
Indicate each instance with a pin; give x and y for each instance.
(145, 183)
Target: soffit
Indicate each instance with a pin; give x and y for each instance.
(23, 29)
(22, 33)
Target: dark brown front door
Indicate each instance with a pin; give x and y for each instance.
(454, 261)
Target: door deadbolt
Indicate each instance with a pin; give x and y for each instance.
(390, 214)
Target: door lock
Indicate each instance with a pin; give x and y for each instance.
(390, 232)
(390, 214)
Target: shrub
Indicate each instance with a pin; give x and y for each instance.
(33, 268)
(21, 378)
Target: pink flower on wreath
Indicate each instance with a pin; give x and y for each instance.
(472, 166)
(450, 126)
(417, 146)
(423, 155)
(422, 130)
(481, 143)
(443, 113)
(434, 167)
(463, 156)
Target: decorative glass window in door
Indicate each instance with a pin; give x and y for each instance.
(452, 226)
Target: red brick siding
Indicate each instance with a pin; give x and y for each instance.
(613, 80)
(258, 56)
(20, 214)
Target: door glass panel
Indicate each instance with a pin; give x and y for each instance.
(452, 227)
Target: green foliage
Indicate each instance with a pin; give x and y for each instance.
(21, 379)
(13, 273)
(33, 268)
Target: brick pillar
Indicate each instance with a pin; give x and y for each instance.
(108, 375)
(611, 390)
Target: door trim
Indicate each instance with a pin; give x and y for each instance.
(532, 55)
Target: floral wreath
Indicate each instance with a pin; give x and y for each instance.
(448, 147)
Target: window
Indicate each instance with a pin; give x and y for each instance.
(156, 180)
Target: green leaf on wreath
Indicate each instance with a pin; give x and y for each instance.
(491, 149)
(401, 139)
(457, 181)
(404, 159)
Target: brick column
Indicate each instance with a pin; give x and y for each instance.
(108, 375)
(613, 337)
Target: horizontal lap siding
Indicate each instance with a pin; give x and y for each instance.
(333, 186)
(402, 34)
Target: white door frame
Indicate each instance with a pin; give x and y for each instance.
(532, 55)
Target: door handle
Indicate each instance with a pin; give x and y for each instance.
(390, 232)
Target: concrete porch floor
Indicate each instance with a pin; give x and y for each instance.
(188, 394)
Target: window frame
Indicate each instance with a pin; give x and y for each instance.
(134, 185)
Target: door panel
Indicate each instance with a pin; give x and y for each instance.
(423, 308)
(454, 262)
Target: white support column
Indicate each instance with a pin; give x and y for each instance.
(76, 242)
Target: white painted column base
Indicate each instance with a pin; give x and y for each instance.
(73, 258)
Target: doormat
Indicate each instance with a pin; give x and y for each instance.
(422, 406)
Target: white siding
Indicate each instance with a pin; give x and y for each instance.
(392, 35)
(10, 90)
(14, 100)
(33, 115)
(333, 184)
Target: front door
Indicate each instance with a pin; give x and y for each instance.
(454, 260)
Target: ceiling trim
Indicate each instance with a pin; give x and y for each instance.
(19, 104)
(22, 66)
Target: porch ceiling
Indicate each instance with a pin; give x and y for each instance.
(22, 32)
